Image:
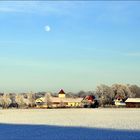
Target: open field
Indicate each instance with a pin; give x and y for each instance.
(82, 124)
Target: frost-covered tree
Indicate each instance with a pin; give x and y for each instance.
(135, 90)
(5, 101)
(47, 100)
(105, 94)
(62, 104)
(31, 99)
(82, 93)
(2, 103)
(122, 90)
(85, 93)
(20, 100)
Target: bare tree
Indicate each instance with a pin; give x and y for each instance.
(47, 100)
(62, 104)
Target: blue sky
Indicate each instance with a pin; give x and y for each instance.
(46, 46)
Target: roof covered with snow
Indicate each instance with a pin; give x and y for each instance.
(134, 100)
(57, 99)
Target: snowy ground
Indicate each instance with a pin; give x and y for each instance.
(74, 124)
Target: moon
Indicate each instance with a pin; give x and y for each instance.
(47, 28)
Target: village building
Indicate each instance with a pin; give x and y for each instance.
(133, 102)
(61, 94)
(90, 101)
(60, 101)
(119, 101)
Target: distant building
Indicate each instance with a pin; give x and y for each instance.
(90, 101)
(61, 94)
(60, 101)
(133, 102)
(119, 101)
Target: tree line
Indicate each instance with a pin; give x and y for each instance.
(106, 94)
(103, 93)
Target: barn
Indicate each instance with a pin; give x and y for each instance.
(133, 102)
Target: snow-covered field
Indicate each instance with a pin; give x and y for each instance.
(74, 124)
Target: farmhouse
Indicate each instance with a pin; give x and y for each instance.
(90, 101)
(119, 101)
(60, 101)
(133, 102)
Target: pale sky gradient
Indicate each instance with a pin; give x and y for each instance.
(46, 46)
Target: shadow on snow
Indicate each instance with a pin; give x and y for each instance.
(47, 132)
